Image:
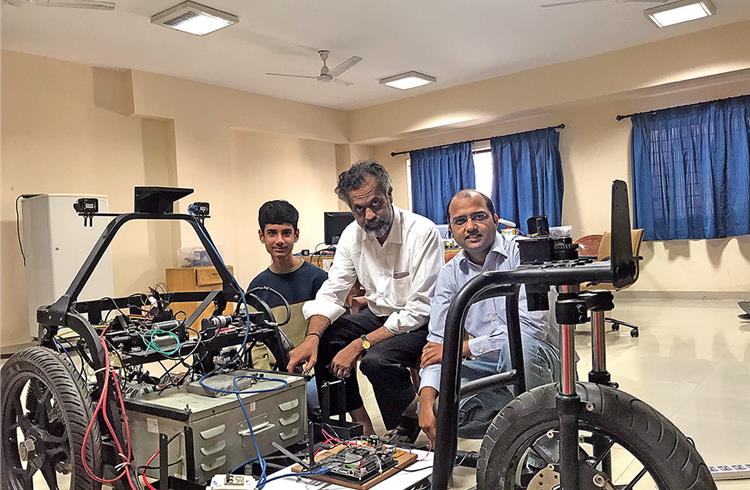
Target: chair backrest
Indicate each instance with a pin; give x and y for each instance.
(605, 246)
(588, 246)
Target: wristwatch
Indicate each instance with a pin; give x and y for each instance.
(366, 344)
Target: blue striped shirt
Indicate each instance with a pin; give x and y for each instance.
(485, 321)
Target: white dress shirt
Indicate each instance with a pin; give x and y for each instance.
(398, 277)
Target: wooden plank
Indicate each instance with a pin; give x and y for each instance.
(403, 460)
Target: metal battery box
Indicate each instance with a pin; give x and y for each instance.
(213, 433)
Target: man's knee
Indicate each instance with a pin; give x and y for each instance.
(372, 363)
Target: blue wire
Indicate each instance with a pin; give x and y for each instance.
(295, 475)
(240, 352)
(262, 461)
(60, 346)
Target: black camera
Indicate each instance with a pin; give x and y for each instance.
(200, 209)
(541, 247)
(87, 207)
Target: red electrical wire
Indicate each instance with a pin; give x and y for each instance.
(102, 398)
(143, 475)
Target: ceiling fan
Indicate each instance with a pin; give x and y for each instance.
(77, 4)
(327, 74)
(572, 2)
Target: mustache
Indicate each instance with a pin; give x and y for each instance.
(375, 223)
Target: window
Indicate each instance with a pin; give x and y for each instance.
(483, 169)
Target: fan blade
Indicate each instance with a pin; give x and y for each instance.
(343, 82)
(569, 2)
(341, 68)
(79, 4)
(290, 75)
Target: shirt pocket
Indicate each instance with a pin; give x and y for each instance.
(401, 289)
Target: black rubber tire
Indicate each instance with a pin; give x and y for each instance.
(634, 333)
(70, 393)
(671, 460)
(615, 327)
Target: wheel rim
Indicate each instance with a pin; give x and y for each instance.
(35, 436)
(537, 460)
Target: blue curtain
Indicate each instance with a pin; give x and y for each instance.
(437, 174)
(690, 171)
(528, 177)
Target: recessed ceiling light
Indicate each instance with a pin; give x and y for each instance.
(194, 18)
(680, 11)
(410, 79)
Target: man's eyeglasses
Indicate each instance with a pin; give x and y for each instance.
(478, 217)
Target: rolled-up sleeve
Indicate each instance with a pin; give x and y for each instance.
(331, 297)
(425, 270)
(445, 290)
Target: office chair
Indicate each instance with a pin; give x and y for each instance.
(588, 246)
(604, 252)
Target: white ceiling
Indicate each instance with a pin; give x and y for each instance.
(456, 41)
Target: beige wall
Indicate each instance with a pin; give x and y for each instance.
(266, 167)
(73, 128)
(55, 139)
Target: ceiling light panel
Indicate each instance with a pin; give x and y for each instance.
(679, 12)
(194, 18)
(408, 80)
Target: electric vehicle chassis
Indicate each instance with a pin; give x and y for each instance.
(55, 419)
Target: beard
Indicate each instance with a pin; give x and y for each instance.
(377, 228)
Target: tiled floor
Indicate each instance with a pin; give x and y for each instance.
(691, 363)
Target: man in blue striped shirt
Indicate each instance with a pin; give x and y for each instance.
(473, 222)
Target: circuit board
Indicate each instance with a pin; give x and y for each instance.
(351, 464)
(359, 463)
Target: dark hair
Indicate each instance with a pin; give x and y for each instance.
(468, 193)
(354, 178)
(276, 213)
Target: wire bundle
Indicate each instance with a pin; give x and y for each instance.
(100, 408)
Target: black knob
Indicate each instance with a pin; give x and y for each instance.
(571, 311)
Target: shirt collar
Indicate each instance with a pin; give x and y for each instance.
(499, 247)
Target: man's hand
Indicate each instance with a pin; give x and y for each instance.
(343, 363)
(306, 352)
(432, 353)
(427, 420)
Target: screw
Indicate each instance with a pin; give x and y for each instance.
(550, 434)
(599, 481)
(589, 407)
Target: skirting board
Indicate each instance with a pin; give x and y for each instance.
(735, 295)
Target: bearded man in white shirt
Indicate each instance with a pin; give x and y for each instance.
(396, 255)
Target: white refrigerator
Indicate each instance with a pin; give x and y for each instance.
(56, 245)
